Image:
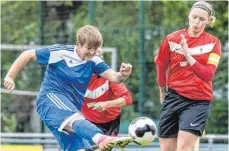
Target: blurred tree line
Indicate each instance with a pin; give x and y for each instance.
(118, 22)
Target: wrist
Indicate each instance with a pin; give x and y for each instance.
(121, 78)
(108, 104)
(10, 76)
(162, 89)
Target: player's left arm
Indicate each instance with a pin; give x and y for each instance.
(118, 77)
(205, 72)
(102, 69)
(122, 98)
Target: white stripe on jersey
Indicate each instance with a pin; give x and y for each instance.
(98, 91)
(193, 51)
(97, 60)
(54, 57)
(70, 57)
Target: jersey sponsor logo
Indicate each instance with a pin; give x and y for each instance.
(193, 51)
(213, 59)
(93, 94)
(184, 63)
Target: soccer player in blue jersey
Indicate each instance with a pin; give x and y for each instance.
(69, 70)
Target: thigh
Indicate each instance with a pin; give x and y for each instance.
(168, 144)
(186, 141)
(54, 109)
(168, 125)
(193, 119)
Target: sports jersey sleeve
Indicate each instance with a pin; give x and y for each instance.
(120, 90)
(206, 72)
(48, 55)
(162, 61)
(100, 66)
(214, 56)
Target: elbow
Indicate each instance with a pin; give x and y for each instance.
(208, 78)
(129, 102)
(128, 99)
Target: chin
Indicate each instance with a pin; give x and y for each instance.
(88, 58)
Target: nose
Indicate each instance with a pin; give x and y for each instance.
(197, 21)
(92, 53)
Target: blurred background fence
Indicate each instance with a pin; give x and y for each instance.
(134, 29)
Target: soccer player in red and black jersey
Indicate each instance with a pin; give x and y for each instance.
(186, 63)
(103, 101)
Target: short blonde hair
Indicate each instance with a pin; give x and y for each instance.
(90, 36)
(208, 8)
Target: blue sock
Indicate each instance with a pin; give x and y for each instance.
(85, 129)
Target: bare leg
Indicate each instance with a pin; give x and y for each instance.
(185, 141)
(168, 144)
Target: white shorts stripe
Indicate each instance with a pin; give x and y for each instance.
(54, 101)
(86, 142)
(60, 101)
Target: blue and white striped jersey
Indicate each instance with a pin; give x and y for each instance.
(66, 72)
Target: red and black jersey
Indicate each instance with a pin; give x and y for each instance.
(100, 90)
(206, 49)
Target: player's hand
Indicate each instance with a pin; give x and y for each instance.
(184, 45)
(125, 70)
(162, 94)
(100, 106)
(162, 97)
(9, 83)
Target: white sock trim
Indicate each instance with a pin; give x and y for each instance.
(95, 138)
(68, 120)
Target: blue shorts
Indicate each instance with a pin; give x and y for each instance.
(56, 110)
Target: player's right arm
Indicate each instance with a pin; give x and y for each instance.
(162, 61)
(19, 63)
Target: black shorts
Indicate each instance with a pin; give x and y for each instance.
(180, 113)
(110, 128)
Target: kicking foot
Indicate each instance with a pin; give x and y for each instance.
(106, 143)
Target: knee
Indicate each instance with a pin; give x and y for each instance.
(74, 118)
(184, 148)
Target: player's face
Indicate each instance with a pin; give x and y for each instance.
(198, 19)
(85, 52)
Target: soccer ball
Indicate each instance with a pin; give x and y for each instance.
(143, 130)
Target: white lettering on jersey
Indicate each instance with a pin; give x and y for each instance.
(93, 94)
(193, 51)
(184, 63)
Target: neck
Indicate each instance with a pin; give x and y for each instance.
(194, 34)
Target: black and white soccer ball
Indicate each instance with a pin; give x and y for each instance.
(143, 130)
